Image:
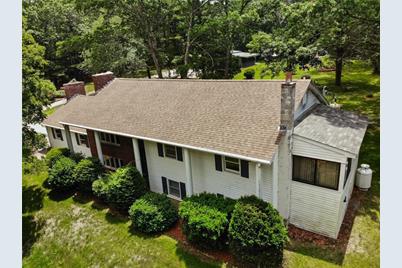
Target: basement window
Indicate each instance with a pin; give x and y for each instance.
(112, 162)
(57, 134)
(174, 188)
(109, 138)
(316, 172)
(231, 164)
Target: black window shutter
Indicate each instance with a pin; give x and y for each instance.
(218, 162)
(77, 139)
(183, 190)
(164, 185)
(179, 153)
(160, 149)
(54, 134)
(244, 168)
(61, 135)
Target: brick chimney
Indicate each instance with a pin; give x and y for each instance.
(73, 88)
(288, 90)
(102, 79)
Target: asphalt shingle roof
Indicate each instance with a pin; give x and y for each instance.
(236, 117)
(334, 127)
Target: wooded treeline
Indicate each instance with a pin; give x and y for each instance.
(66, 39)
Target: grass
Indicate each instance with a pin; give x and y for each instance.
(70, 231)
(89, 87)
(364, 243)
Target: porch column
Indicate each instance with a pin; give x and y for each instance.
(258, 179)
(98, 146)
(137, 156)
(275, 182)
(68, 138)
(189, 175)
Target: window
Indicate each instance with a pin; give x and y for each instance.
(174, 188)
(347, 171)
(57, 134)
(170, 151)
(112, 162)
(231, 164)
(81, 139)
(315, 171)
(109, 138)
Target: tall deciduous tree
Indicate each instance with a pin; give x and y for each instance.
(36, 91)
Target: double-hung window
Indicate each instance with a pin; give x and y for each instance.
(57, 134)
(112, 162)
(81, 139)
(231, 164)
(109, 138)
(316, 172)
(174, 188)
(170, 151)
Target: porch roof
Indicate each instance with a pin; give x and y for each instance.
(334, 127)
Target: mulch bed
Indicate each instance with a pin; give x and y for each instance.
(341, 242)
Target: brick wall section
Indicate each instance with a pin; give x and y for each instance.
(125, 151)
(74, 88)
(92, 142)
(101, 79)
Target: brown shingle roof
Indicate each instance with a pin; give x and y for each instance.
(337, 128)
(236, 117)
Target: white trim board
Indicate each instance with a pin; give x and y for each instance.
(174, 144)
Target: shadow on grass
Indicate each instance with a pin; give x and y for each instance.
(30, 233)
(191, 258)
(57, 196)
(32, 198)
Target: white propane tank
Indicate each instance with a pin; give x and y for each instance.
(363, 177)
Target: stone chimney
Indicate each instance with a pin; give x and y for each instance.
(102, 79)
(73, 88)
(288, 90)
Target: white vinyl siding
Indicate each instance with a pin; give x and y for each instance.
(308, 100)
(205, 177)
(56, 143)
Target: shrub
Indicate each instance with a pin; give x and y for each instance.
(153, 213)
(86, 172)
(249, 74)
(206, 219)
(77, 157)
(54, 154)
(61, 174)
(120, 188)
(33, 165)
(257, 233)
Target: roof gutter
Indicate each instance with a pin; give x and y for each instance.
(252, 159)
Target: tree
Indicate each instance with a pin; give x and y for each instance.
(284, 54)
(36, 91)
(51, 22)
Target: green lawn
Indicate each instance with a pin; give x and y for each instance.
(68, 231)
(364, 243)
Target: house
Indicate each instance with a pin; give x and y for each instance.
(246, 59)
(277, 140)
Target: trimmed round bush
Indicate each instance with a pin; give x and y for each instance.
(206, 219)
(249, 74)
(54, 154)
(153, 213)
(120, 188)
(86, 172)
(257, 233)
(61, 174)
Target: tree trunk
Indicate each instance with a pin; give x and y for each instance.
(154, 54)
(376, 65)
(227, 63)
(148, 72)
(338, 66)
